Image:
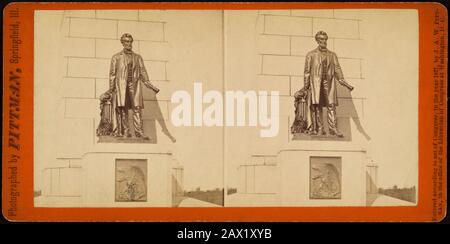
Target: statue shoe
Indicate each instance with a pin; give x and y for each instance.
(321, 132)
(142, 136)
(336, 133)
(311, 132)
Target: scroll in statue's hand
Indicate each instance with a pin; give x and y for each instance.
(156, 90)
(348, 86)
(150, 86)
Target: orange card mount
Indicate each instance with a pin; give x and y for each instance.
(222, 112)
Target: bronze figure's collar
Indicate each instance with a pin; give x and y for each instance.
(127, 52)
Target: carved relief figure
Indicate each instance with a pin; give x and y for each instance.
(131, 183)
(325, 181)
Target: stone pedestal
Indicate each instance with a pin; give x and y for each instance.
(306, 171)
(114, 175)
(127, 175)
(322, 173)
(106, 177)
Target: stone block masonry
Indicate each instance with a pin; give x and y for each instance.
(92, 38)
(286, 38)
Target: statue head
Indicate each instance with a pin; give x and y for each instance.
(321, 39)
(127, 41)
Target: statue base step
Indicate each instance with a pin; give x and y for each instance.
(303, 136)
(114, 139)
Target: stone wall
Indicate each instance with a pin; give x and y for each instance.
(178, 48)
(260, 176)
(282, 39)
(286, 36)
(91, 39)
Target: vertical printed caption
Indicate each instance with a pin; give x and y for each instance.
(12, 96)
(439, 112)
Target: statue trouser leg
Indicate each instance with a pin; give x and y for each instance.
(332, 121)
(319, 120)
(313, 128)
(126, 127)
(119, 128)
(122, 122)
(316, 120)
(137, 123)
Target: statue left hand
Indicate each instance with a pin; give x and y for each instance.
(150, 86)
(348, 86)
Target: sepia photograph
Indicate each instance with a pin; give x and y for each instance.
(226, 108)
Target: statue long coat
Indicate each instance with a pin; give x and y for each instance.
(118, 78)
(313, 76)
